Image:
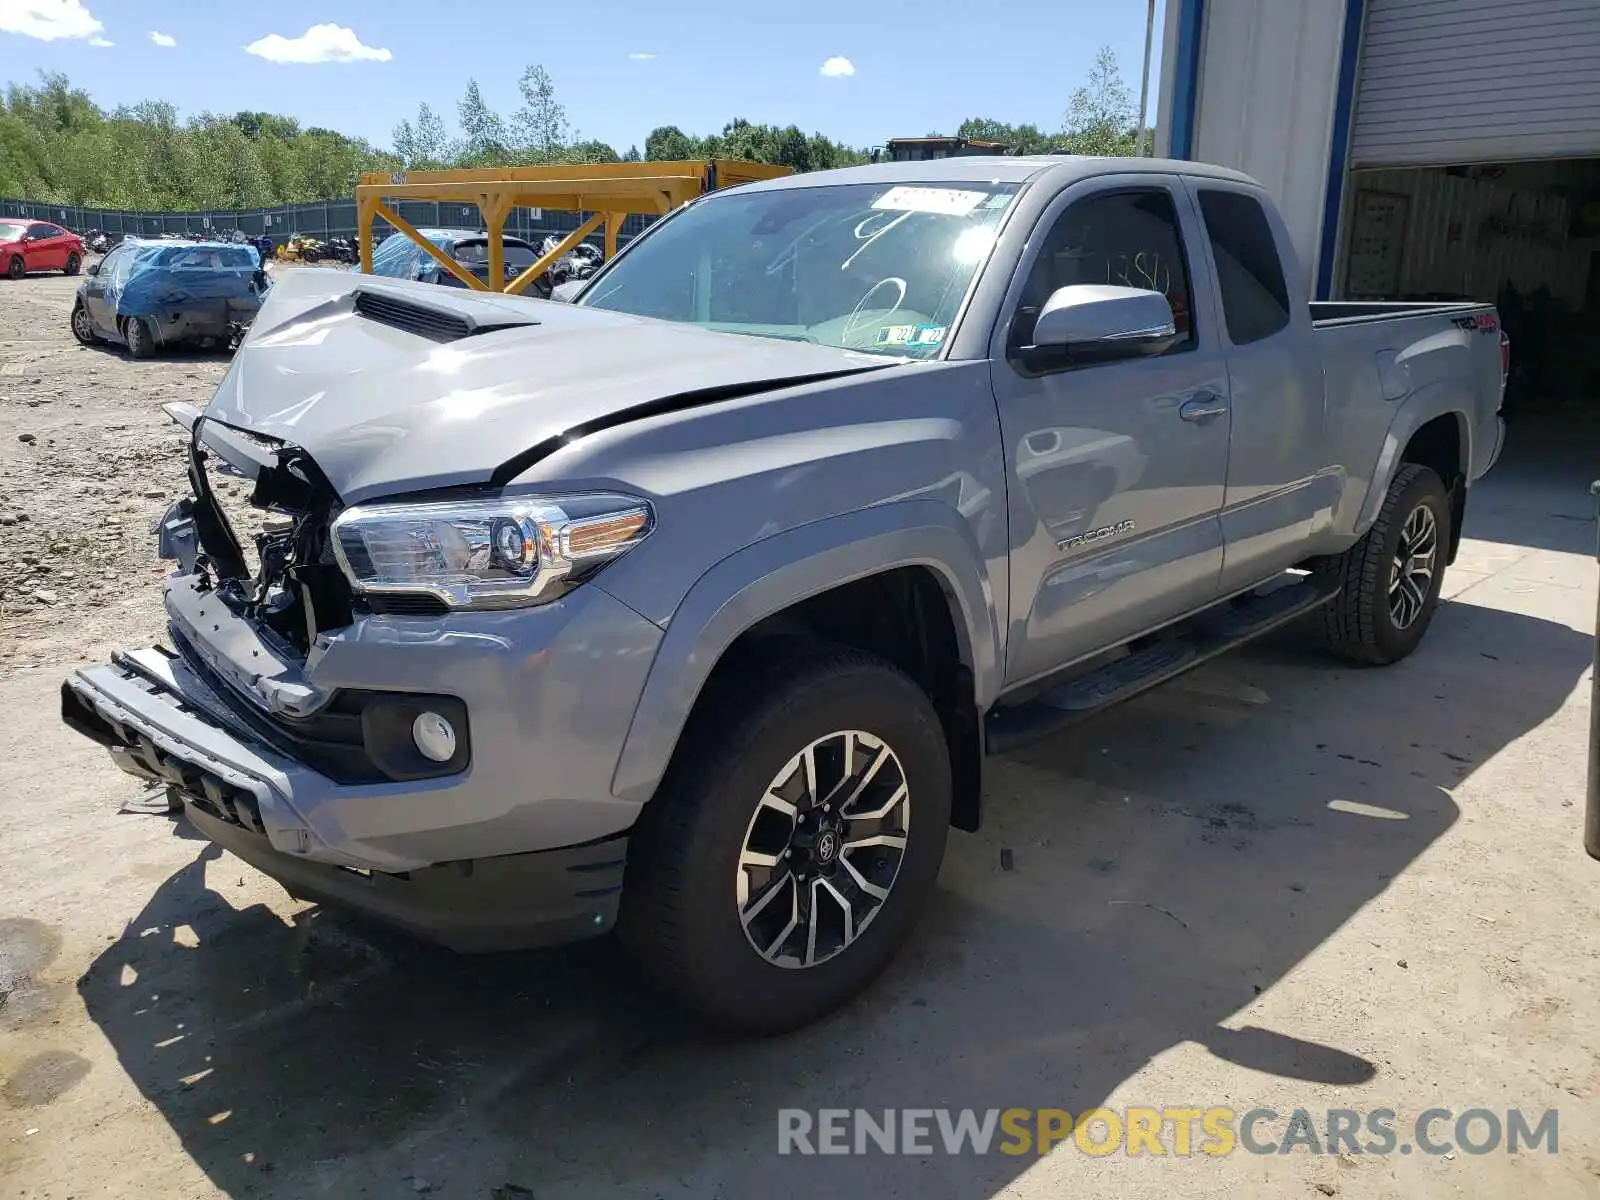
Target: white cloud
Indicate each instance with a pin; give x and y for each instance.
(642, 55)
(101, 42)
(48, 19)
(319, 44)
(837, 66)
(163, 39)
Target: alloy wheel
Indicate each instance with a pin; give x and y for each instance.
(81, 326)
(823, 849)
(1415, 559)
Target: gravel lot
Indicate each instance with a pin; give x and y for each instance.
(1281, 882)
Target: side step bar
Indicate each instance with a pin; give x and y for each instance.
(1208, 635)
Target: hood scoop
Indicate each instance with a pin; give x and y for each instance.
(423, 320)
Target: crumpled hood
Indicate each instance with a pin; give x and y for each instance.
(384, 410)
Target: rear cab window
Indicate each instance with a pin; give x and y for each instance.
(1255, 297)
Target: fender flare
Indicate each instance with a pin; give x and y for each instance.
(1422, 406)
(771, 575)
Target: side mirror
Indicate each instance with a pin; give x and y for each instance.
(1097, 322)
(93, 268)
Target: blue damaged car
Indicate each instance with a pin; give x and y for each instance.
(146, 295)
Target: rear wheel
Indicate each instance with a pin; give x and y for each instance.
(795, 841)
(141, 343)
(1391, 578)
(82, 325)
(16, 268)
(74, 263)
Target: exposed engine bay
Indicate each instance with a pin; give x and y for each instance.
(296, 589)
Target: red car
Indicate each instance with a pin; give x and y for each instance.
(38, 246)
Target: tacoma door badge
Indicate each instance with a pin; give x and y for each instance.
(1104, 533)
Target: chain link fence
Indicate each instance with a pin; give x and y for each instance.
(323, 219)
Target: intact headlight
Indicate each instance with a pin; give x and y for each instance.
(499, 553)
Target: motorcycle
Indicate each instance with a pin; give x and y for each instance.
(301, 248)
(341, 249)
(582, 261)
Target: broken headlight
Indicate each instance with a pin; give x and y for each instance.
(501, 553)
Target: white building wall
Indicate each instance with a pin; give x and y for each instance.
(1267, 83)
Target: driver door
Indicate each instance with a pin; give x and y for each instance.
(1117, 468)
(95, 298)
(45, 250)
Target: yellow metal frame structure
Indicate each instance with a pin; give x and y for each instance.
(610, 192)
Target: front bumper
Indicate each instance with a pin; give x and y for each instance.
(550, 692)
(144, 708)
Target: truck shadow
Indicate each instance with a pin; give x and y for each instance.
(1137, 883)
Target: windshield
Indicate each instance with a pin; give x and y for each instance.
(10, 231)
(870, 267)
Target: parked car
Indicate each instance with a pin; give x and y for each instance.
(398, 257)
(147, 295)
(27, 246)
(692, 607)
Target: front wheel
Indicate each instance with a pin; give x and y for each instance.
(74, 264)
(82, 324)
(795, 841)
(1390, 579)
(16, 268)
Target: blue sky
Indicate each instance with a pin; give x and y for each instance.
(691, 63)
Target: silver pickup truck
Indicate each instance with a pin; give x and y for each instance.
(692, 607)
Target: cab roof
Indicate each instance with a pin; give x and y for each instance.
(1022, 168)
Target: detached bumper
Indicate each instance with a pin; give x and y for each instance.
(235, 794)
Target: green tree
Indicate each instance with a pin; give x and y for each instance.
(541, 122)
(591, 150)
(668, 143)
(425, 143)
(1102, 117)
(482, 129)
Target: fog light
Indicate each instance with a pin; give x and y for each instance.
(434, 736)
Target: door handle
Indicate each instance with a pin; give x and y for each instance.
(1203, 406)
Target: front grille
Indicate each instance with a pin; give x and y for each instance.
(407, 606)
(359, 736)
(329, 741)
(431, 323)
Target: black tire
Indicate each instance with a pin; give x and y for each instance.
(16, 268)
(1361, 623)
(83, 325)
(141, 342)
(74, 264)
(681, 918)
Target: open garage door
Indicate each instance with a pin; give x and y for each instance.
(1463, 81)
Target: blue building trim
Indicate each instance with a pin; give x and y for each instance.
(1344, 104)
(1186, 76)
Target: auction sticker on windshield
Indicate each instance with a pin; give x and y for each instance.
(949, 202)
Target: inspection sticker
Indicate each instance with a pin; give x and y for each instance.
(928, 335)
(949, 202)
(895, 335)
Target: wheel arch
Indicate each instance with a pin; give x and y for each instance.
(1432, 430)
(804, 580)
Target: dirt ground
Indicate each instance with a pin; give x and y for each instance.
(1280, 883)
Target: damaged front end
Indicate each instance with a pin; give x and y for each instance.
(296, 589)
